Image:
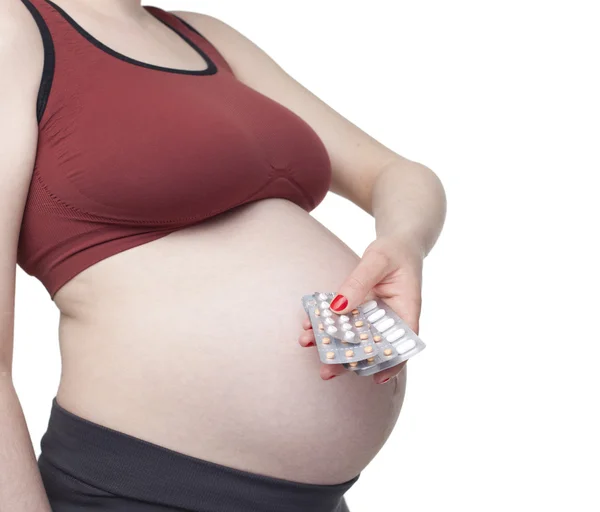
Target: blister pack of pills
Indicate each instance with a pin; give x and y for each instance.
(369, 339)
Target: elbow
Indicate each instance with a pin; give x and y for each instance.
(426, 181)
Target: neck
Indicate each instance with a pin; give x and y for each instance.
(109, 8)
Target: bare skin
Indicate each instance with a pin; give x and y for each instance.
(120, 368)
(141, 351)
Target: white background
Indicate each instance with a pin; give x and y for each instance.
(501, 100)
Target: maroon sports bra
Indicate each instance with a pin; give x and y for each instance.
(129, 152)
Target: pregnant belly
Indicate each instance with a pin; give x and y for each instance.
(190, 342)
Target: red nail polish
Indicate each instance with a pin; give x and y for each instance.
(384, 381)
(332, 377)
(311, 344)
(339, 302)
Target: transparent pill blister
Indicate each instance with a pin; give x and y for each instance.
(380, 363)
(343, 327)
(396, 341)
(333, 350)
(387, 357)
(366, 340)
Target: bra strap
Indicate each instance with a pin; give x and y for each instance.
(49, 57)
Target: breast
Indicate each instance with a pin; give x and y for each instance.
(198, 331)
(157, 151)
(129, 160)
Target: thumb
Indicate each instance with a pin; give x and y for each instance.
(370, 271)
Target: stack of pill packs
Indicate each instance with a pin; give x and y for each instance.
(369, 339)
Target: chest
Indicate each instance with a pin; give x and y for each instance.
(176, 143)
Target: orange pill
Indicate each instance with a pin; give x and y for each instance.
(349, 353)
(326, 340)
(355, 311)
(388, 351)
(321, 328)
(359, 323)
(317, 312)
(355, 363)
(364, 336)
(371, 359)
(377, 337)
(368, 349)
(330, 355)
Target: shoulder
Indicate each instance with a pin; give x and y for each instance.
(21, 46)
(197, 18)
(207, 25)
(17, 23)
(247, 60)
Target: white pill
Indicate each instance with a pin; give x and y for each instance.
(346, 327)
(326, 312)
(329, 321)
(384, 324)
(322, 296)
(348, 335)
(406, 345)
(368, 306)
(324, 305)
(331, 329)
(380, 313)
(396, 335)
(344, 319)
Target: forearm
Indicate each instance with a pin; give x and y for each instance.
(21, 488)
(409, 203)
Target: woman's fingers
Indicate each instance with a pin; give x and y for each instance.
(385, 375)
(307, 339)
(371, 270)
(306, 325)
(329, 371)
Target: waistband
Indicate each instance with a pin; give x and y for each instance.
(130, 467)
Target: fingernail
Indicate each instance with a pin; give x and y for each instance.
(332, 377)
(339, 302)
(384, 381)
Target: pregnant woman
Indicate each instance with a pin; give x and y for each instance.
(158, 170)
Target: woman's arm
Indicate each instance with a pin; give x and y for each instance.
(21, 62)
(409, 205)
(406, 198)
(21, 488)
(408, 202)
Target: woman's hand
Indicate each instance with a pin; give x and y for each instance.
(390, 269)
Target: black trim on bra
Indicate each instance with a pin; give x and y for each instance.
(193, 29)
(209, 61)
(49, 60)
(210, 70)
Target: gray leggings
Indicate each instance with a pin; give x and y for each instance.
(86, 466)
